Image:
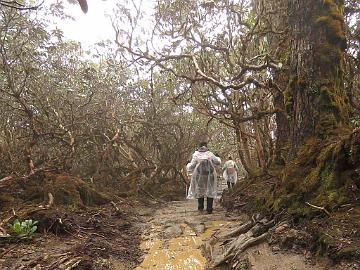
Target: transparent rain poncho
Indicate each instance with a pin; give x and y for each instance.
(203, 185)
(232, 178)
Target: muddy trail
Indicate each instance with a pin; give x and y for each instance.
(177, 236)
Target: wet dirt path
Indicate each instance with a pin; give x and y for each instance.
(175, 235)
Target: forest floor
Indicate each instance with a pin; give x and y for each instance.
(129, 235)
(177, 236)
(80, 228)
(98, 238)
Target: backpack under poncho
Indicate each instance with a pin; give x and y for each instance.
(205, 167)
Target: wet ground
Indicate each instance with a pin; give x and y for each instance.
(176, 234)
(90, 239)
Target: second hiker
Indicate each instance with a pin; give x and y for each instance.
(230, 172)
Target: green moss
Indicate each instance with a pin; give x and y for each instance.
(334, 26)
(312, 180)
(328, 56)
(332, 20)
(327, 177)
(69, 190)
(322, 174)
(276, 166)
(333, 196)
(333, 110)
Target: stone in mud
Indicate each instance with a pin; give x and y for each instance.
(200, 228)
(172, 231)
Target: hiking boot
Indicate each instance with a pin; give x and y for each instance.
(209, 205)
(201, 204)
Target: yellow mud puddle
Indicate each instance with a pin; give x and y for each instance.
(180, 253)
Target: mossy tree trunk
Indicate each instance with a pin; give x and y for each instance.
(315, 99)
(320, 148)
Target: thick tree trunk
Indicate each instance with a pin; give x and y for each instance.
(315, 98)
(321, 144)
(244, 143)
(313, 52)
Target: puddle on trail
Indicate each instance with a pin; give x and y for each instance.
(179, 253)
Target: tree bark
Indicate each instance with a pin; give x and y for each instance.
(282, 124)
(320, 137)
(244, 153)
(315, 98)
(259, 146)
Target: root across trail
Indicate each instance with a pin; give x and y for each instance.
(177, 236)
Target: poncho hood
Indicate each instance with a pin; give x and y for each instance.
(202, 149)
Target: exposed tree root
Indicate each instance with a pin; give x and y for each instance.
(319, 207)
(238, 240)
(242, 229)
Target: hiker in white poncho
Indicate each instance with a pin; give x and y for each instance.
(230, 172)
(204, 178)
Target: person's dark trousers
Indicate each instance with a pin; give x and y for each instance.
(230, 185)
(200, 204)
(209, 205)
